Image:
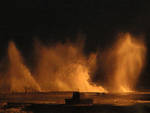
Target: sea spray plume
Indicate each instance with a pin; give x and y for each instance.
(64, 67)
(127, 59)
(20, 78)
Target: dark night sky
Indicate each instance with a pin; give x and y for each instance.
(54, 20)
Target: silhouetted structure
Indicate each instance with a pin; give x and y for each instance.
(77, 100)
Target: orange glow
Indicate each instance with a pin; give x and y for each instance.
(17, 78)
(130, 56)
(64, 67)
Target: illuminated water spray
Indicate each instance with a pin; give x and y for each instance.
(130, 56)
(65, 67)
(19, 76)
(62, 67)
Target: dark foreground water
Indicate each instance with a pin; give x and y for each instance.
(53, 102)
